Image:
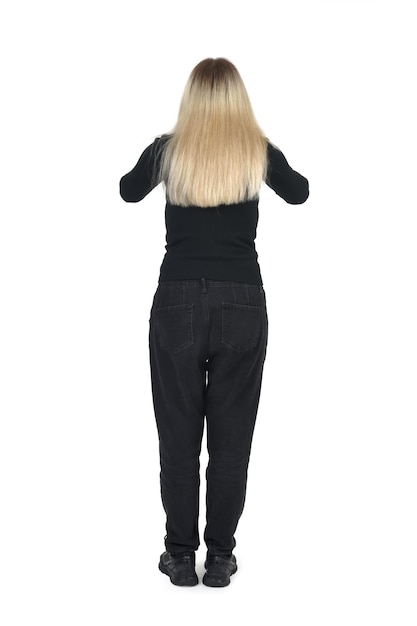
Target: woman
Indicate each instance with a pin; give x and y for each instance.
(208, 323)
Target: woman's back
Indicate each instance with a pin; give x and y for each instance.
(216, 242)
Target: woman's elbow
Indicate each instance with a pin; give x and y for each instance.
(301, 194)
(306, 192)
(127, 193)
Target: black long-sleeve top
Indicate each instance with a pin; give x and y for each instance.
(216, 243)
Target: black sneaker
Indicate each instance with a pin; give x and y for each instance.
(219, 569)
(180, 568)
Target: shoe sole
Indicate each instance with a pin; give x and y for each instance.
(191, 582)
(215, 582)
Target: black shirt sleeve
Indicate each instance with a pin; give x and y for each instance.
(137, 183)
(286, 182)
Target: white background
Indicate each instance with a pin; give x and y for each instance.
(328, 535)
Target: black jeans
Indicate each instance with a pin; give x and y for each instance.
(207, 342)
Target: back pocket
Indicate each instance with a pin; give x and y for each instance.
(174, 326)
(241, 325)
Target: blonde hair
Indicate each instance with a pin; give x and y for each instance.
(216, 154)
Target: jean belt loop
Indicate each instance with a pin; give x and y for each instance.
(203, 285)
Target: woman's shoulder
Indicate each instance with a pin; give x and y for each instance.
(272, 148)
(275, 155)
(162, 139)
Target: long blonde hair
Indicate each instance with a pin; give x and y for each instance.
(216, 154)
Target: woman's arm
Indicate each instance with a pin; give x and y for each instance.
(286, 182)
(137, 183)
